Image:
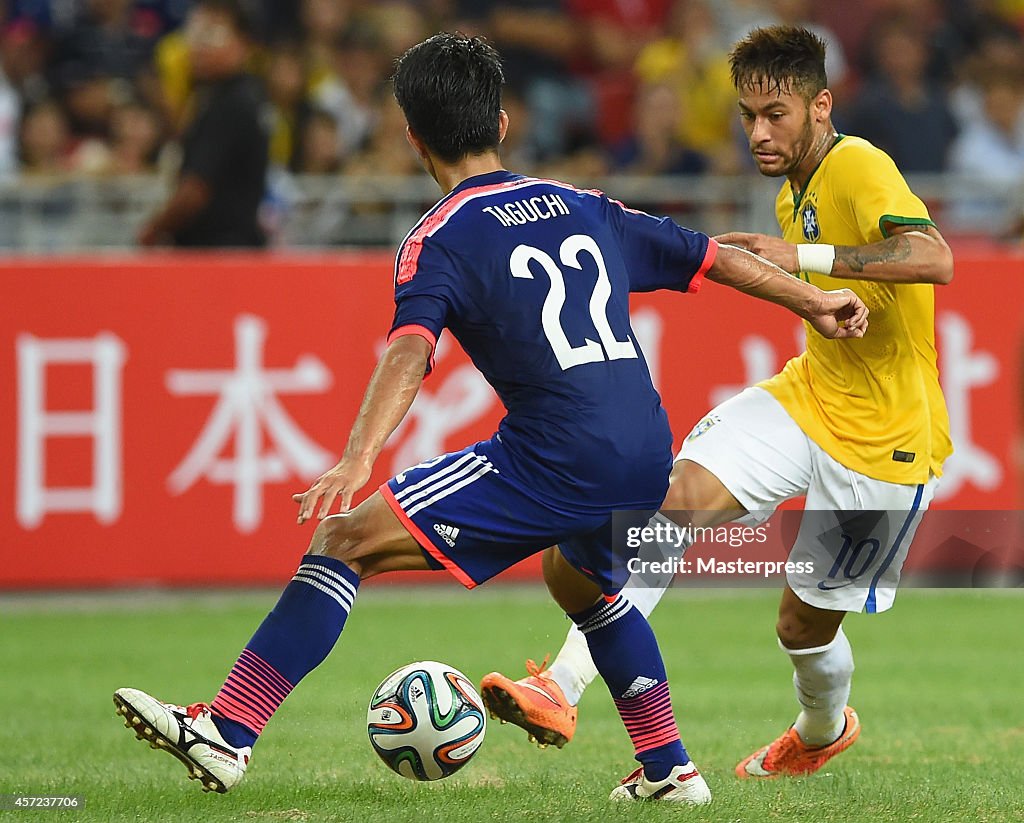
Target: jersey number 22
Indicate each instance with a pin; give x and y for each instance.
(591, 351)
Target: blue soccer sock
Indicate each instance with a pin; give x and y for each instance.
(627, 657)
(292, 641)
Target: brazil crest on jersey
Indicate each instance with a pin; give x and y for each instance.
(533, 278)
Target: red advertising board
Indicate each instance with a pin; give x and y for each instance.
(159, 411)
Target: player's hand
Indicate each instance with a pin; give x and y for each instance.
(839, 314)
(340, 483)
(773, 249)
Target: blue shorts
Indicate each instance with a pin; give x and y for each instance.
(475, 520)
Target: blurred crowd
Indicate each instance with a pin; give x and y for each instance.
(104, 87)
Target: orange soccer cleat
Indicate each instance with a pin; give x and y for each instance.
(790, 756)
(535, 703)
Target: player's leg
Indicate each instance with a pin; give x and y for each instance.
(456, 512)
(303, 627)
(536, 703)
(854, 534)
(215, 741)
(626, 654)
(822, 661)
(747, 455)
(474, 516)
(822, 667)
(695, 497)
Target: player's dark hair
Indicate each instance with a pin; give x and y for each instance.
(784, 59)
(449, 87)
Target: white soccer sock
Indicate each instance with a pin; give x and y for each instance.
(573, 669)
(822, 680)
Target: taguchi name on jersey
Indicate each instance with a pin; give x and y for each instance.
(521, 212)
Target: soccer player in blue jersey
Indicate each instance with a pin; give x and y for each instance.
(533, 278)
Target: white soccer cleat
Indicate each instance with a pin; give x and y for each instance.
(188, 733)
(684, 784)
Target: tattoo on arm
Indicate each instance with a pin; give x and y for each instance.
(893, 249)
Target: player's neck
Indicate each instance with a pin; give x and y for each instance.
(449, 175)
(820, 146)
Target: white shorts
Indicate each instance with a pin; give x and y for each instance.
(855, 531)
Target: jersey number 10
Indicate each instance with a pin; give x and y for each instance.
(550, 315)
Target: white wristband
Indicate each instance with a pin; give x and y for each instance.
(816, 257)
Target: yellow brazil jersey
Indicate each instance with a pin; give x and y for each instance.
(873, 404)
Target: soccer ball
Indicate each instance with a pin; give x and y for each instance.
(426, 720)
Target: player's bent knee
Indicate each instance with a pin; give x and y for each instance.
(793, 634)
(803, 626)
(340, 536)
(796, 631)
(568, 588)
(367, 545)
(380, 563)
(699, 493)
(332, 535)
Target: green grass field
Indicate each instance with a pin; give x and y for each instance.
(938, 689)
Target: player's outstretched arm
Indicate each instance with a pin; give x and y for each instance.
(912, 254)
(389, 395)
(833, 314)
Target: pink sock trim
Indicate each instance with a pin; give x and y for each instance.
(648, 718)
(252, 692)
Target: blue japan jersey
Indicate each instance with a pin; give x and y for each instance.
(533, 278)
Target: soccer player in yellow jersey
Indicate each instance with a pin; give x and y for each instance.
(857, 427)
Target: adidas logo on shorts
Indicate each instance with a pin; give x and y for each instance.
(448, 533)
